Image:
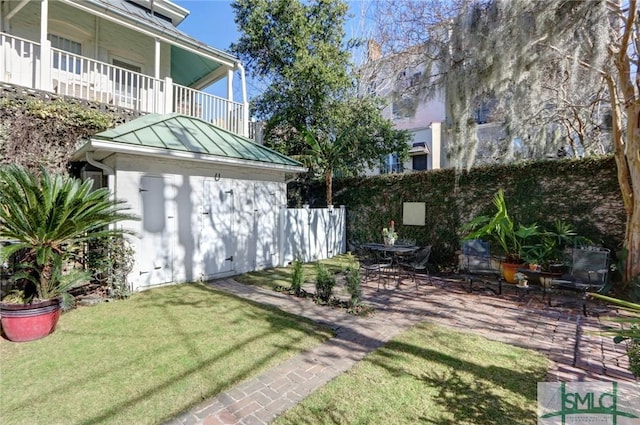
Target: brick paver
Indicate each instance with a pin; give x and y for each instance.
(571, 341)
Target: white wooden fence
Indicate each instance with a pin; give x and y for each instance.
(313, 233)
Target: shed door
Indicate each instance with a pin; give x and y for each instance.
(158, 236)
(216, 242)
(266, 224)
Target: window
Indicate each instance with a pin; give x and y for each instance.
(415, 79)
(402, 108)
(62, 61)
(126, 83)
(391, 164)
(420, 162)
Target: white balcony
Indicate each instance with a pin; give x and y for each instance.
(77, 76)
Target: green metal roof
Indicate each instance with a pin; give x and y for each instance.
(175, 132)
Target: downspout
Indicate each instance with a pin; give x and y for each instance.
(108, 170)
(100, 165)
(245, 103)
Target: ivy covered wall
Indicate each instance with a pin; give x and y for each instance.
(39, 129)
(582, 192)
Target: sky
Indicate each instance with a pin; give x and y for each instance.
(211, 21)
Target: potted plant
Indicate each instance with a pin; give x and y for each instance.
(47, 218)
(548, 253)
(389, 234)
(501, 230)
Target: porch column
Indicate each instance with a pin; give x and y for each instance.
(45, 48)
(168, 95)
(156, 70)
(230, 85)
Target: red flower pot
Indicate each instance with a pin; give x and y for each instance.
(27, 322)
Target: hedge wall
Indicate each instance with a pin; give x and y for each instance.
(582, 192)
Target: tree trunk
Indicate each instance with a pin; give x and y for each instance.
(632, 237)
(623, 94)
(328, 177)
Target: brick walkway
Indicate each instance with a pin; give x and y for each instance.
(570, 340)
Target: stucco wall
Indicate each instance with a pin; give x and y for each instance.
(208, 213)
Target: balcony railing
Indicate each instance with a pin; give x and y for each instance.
(77, 76)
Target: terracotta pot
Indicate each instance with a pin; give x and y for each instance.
(28, 322)
(509, 271)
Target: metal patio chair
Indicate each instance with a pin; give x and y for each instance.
(477, 264)
(417, 263)
(589, 273)
(375, 264)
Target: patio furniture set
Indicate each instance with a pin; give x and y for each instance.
(387, 263)
(587, 271)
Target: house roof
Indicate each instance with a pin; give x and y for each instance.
(193, 63)
(181, 136)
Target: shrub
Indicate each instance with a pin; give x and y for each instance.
(352, 280)
(110, 260)
(297, 277)
(324, 283)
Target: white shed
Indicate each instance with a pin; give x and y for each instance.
(210, 202)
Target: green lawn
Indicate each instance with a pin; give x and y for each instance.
(144, 360)
(431, 375)
(281, 276)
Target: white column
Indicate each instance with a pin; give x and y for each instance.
(230, 85)
(45, 48)
(156, 71)
(436, 143)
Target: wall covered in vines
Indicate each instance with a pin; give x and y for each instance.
(581, 192)
(38, 129)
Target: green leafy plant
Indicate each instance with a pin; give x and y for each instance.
(501, 230)
(325, 282)
(352, 281)
(48, 217)
(390, 232)
(110, 260)
(629, 331)
(550, 245)
(297, 277)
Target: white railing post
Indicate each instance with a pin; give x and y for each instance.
(168, 96)
(245, 119)
(4, 53)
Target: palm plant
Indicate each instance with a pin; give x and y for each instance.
(501, 229)
(551, 244)
(47, 218)
(325, 156)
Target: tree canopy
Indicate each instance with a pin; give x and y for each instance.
(298, 50)
(548, 65)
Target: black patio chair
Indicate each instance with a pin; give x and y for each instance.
(589, 273)
(477, 264)
(417, 263)
(375, 264)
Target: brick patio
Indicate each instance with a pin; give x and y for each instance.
(569, 340)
